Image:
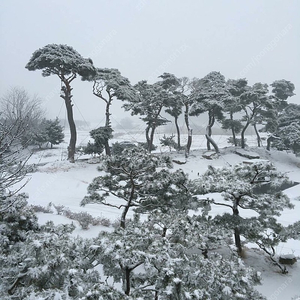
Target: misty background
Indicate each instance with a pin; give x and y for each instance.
(256, 40)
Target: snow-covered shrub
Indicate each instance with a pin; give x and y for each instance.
(50, 264)
(168, 141)
(43, 209)
(15, 221)
(84, 219)
(236, 141)
(117, 147)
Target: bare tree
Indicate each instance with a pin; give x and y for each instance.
(13, 161)
(19, 109)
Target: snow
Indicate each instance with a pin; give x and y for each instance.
(61, 183)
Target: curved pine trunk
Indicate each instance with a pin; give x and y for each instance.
(178, 133)
(208, 137)
(190, 131)
(257, 135)
(243, 143)
(107, 124)
(233, 131)
(211, 141)
(68, 102)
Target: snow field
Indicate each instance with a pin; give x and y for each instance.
(62, 183)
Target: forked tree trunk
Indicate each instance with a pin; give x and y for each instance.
(152, 127)
(208, 133)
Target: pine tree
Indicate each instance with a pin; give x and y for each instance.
(152, 262)
(247, 187)
(130, 176)
(149, 103)
(54, 132)
(253, 102)
(109, 84)
(232, 106)
(208, 95)
(66, 63)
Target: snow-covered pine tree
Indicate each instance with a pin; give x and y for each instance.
(101, 137)
(54, 132)
(152, 263)
(252, 194)
(149, 103)
(109, 84)
(286, 135)
(253, 102)
(208, 94)
(66, 63)
(135, 177)
(232, 106)
(49, 263)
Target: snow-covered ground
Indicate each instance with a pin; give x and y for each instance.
(62, 183)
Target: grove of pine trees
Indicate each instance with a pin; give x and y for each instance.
(172, 247)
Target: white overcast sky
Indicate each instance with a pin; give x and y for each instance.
(255, 39)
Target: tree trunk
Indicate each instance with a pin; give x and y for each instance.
(178, 133)
(257, 135)
(233, 131)
(237, 240)
(209, 139)
(237, 237)
(107, 114)
(151, 139)
(147, 136)
(269, 141)
(127, 281)
(189, 141)
(243, 143)
(125, 211)
(153, 127)
(66, 89)
(107, 124)
(107, 148)
(211, 121)
(123, 216)
(190, 131)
